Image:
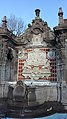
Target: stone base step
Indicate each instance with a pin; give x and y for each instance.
(65, 106)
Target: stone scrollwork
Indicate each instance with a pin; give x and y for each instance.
(36, 65)
(36, 30)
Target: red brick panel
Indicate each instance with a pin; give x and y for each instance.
(20, 66)
(53, 76)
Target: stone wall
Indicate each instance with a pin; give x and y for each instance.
(64, 93)
(46, 93)
(3, 89)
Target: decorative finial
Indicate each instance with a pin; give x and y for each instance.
(4, 22)
(37, 12)
(60, 14)
(60, 11)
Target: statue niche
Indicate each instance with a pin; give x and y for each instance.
(9, 54)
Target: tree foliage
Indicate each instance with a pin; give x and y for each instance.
(16, 25)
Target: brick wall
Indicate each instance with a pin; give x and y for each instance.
(52, 63)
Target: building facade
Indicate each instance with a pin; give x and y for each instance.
(38, 57)
(38, 37)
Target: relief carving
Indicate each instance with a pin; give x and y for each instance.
(36, 65)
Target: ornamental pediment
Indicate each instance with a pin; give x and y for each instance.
(38, 32)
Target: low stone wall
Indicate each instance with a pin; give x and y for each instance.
(46, 93)
(42, 93)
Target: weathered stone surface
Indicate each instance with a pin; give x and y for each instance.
(38, 54)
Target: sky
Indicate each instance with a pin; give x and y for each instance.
(25, 9)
